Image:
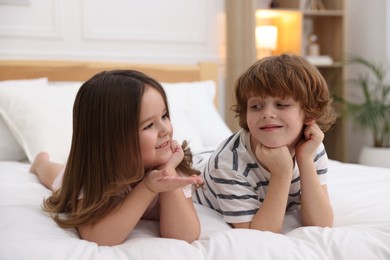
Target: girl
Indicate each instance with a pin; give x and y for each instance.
(277, 161)
(123, 165)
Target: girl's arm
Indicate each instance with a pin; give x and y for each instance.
(46, 170)
(271, 214)
(178, 217)
(115, 227)
(316, 209)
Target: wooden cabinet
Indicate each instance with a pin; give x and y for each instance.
(296, 22)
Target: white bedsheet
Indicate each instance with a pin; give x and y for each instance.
(360, 196)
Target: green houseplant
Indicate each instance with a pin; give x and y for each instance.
(372, 112)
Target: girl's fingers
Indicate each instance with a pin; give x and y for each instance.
(160, 181)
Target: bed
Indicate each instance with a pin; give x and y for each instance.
(36, 99)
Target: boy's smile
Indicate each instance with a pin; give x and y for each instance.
(269, 127)
(274, 121)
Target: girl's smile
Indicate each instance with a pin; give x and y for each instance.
(166, 144)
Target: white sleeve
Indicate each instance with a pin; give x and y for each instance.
(187, 190)
(322, 165)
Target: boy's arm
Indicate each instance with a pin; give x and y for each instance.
(316, 209)
(271, 214)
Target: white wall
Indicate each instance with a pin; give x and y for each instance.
(368, 34)
(147, 31)
(388, 30)
(169, 31)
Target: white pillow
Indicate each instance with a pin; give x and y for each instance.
(180, 119)
(195, 102)
(40, 118)
(10, 150)
(9, 147)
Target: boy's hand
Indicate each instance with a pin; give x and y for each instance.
(312, 138)
(275, 160)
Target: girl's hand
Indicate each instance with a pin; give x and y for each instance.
(161, 181)
(312, 138)
(275, 160)
(177, 155)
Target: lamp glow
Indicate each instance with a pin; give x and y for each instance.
(266, 40)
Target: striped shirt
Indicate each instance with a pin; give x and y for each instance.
(236, 184)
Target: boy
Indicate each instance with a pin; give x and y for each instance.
(277, 161)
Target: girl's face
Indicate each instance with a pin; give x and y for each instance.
(275, 122)
(155, 129)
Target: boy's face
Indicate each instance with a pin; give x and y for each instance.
(275, 122)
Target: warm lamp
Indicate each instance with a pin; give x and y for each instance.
(266, 40)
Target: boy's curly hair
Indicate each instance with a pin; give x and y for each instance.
(286, 75)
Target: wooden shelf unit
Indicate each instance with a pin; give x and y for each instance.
(294, 24)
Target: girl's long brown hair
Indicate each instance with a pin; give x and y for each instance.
(104, 158)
